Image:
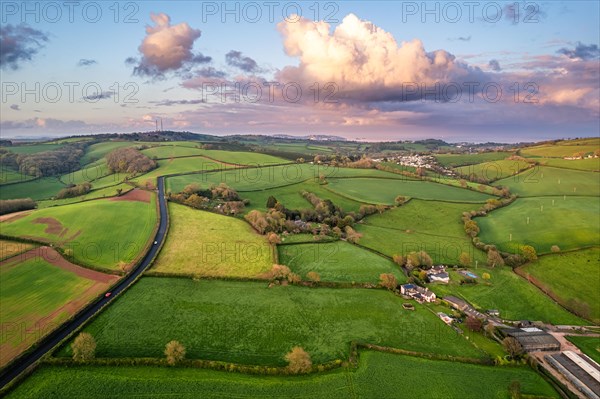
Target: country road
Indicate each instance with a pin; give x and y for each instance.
(56, 336)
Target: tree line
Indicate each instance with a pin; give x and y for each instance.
(46, 163)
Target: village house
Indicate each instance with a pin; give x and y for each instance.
(438, 274)
(417, 293)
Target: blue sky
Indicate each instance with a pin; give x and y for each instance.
(551, 44)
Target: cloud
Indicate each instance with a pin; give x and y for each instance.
(86, 62)
(237, 60)
(581, 51)
(460, 38)
(364, 61)
(19, 43)
(98, 96)
(494, 65)
(166, 48)
(15, 107)
(168, 103)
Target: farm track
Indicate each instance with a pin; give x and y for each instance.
(47, 344)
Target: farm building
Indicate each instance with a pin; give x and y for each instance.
(581, 370)
(456, 303)
(533, 339)
(419, 294)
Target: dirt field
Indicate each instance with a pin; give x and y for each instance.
(134, 195)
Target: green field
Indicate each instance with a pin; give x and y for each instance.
(101, 233)
(563, 274)
(588, 345)
(291, 197)
(32, 148)
(177, 165)
(97, 151)
(379, 375)
(268, 177)
(105, 192)
(207, 244)
(171, 151)
(512, 295)
(590, 164)
(246, 322)
(34, 296)
(380, 191)
(493, 170)
(442, 249)
(91, 173)
(337, 261)
(545, 180)
(8, 175)
(563, 148)
(43, 188)
(569, 223)
(454, 160)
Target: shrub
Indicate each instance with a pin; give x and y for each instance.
(175, 352)
(84, 347)
(16, 205)
(74, 191)
(298, 361)
(555, 248)
(313, 276)
(388, 280)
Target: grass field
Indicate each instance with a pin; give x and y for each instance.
(379, 191)
(545, 180)
(91, 173)
(101, 233)
(206, 244)
(493, 170)
(569, 223)
(105, 192)
(379, 375)
(177, 165)
(592, 164)
(268, 177)
(8, 175)
(454, 160)
(171, 151)
(12, 248)
(291, 197)
(442, 249)
(563, 274)
(337, 261)
(562, 148)
(44, 188)
(36, 297)
(588, 345)
(246, 322)
(513, 296)
(33, 148)
(97, 151)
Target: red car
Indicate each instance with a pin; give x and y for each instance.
(107, 294)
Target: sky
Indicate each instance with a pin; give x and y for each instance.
(377, 70)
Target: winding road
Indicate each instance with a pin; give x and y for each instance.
(56, 336)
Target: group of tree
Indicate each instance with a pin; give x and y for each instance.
(414, 259)
(218, 198)
(54, 162)
(283, 274)
(74, 190)
(16, 205)
(129, 160)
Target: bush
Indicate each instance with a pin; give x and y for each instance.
(16, 205)
(555, 248)
(74, 191)
(313, 276)
(175, 352)
(298, 361)
(388, 280)
(84, 347)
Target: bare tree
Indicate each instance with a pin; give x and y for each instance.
(84, 347)
(298, 360)
(512, 346)
(175, 352)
